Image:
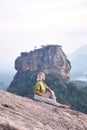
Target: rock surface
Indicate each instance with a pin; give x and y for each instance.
(50, 59)
(18, 113)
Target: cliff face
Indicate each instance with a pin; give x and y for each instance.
(49, 59)
(18, 113)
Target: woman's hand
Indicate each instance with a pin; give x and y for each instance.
(52, 93)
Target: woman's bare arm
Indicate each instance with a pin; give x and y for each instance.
(40, 94)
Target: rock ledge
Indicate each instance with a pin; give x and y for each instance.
(21, 113)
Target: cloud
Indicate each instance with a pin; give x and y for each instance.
(78, 33)
(27, 14)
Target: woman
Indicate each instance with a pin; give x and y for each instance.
(44, 94)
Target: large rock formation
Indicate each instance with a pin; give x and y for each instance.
(18, 113)
(50, 59)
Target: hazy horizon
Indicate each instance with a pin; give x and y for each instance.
(25, 24)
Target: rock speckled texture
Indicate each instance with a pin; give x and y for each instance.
(21, 113)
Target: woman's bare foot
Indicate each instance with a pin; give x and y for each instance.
(64, 106)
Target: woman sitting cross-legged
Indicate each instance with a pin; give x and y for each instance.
(44, 94)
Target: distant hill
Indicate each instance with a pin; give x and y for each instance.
(78, 61)
(5, 79)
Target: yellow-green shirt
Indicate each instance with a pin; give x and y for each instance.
(41, 86)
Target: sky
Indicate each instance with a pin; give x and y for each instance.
(26, 24)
